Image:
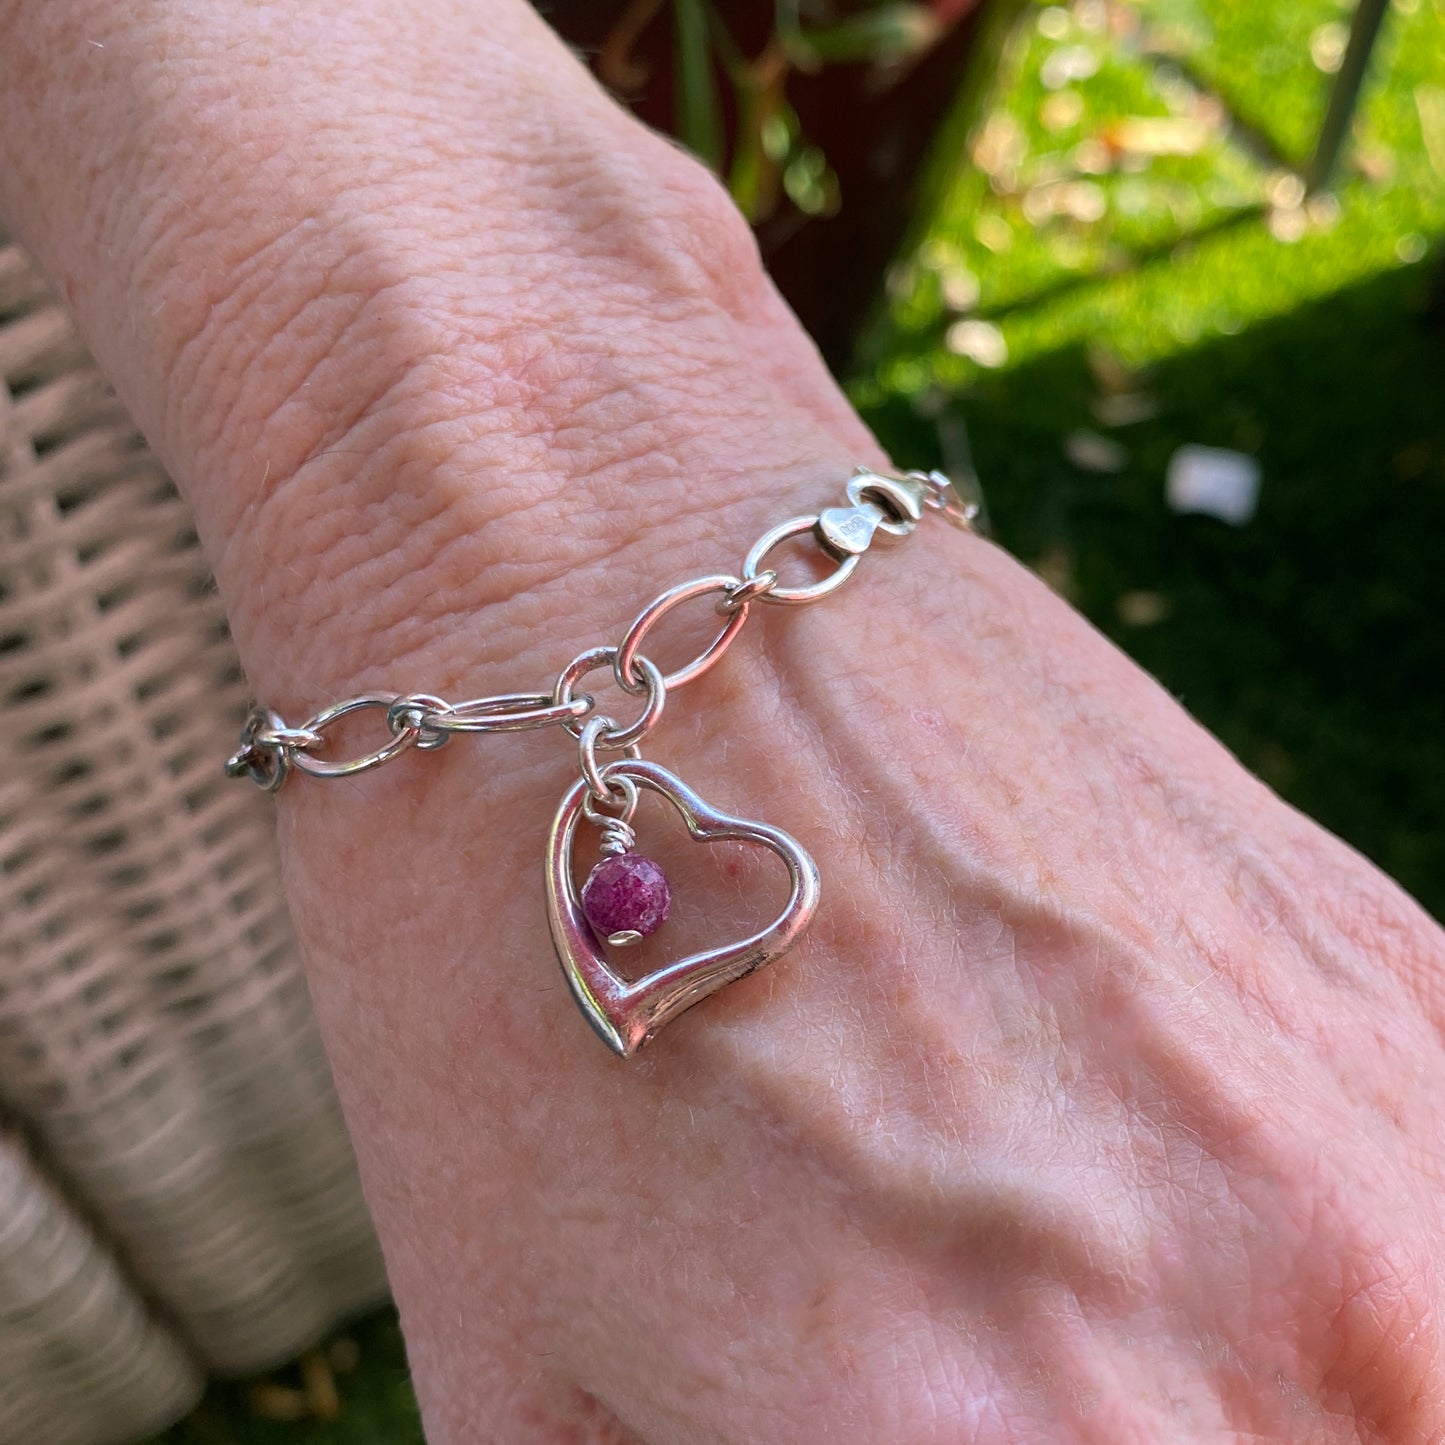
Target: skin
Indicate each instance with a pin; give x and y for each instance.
(1105, 1101)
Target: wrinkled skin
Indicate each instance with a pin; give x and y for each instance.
(1105, 1101)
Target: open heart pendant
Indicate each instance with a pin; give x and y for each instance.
(626, 1014)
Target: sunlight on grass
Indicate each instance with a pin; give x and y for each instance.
(1108, 198)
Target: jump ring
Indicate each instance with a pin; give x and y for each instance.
(594, 734)
(741, 594)
(284, 738)
(588, 749)
(263, 755)
(419, 710)
(590, 661)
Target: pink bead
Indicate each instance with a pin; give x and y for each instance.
(626, 894)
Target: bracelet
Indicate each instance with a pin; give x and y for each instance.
(626, 897)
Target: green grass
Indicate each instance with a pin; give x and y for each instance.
(1310, 639)
(1183, 249)
(1258, 58)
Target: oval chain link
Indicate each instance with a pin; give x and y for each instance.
(402, 737)
(796, 596)
(658, 608)
(508, 712)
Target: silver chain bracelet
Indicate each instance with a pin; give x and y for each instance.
(626, 895)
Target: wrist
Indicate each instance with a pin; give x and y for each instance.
(387, 415)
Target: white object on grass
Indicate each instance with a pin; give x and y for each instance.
(1219, 483)
(1092, 453)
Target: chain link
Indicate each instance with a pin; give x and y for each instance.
(401, 737)
(510, 712)
(881, 507)
(653, 684)
(797, 596)
(659, 607)
(417, 711)
(264, 760)
(747, 591)
(594, 734)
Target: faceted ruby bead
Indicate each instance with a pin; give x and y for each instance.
(626, 894)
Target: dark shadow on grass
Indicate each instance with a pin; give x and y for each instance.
(1258, 144)
(1311, 641)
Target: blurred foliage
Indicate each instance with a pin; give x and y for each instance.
(1186, 290)
(768, 157)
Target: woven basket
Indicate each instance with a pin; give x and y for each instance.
(186, 1159)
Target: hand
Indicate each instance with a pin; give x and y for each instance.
(1106, 1100)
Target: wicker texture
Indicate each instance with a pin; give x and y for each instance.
(156, 1038)
(84, 1360)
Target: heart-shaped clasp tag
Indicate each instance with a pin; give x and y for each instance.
(626, 1014)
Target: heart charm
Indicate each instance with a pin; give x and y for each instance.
(626, 1014)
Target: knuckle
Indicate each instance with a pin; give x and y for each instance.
(1375, 1321)
(715, 247)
